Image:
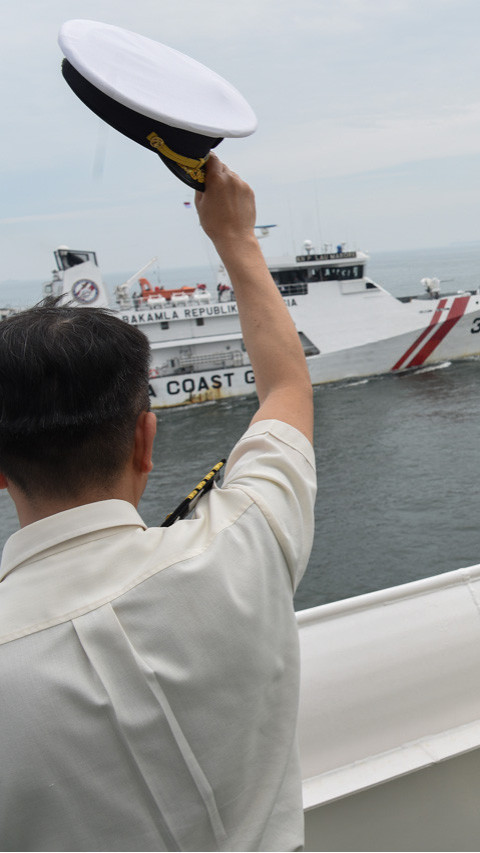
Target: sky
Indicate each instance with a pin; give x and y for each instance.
(368, 130)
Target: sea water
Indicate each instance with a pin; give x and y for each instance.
(398, 490)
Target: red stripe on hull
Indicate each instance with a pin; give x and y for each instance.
(413, 347)
(454, 315)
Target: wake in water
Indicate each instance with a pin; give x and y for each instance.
(433, 367)
(357, 382)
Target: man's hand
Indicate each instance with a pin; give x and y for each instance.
(227, 207)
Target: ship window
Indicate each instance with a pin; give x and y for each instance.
(164, 324)
(371, 286)
(342, 273)
(296, 280)
(67, 258)
(291, 282)
(200, 321)
(293, 276)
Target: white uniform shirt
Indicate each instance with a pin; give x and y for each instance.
(149, 677)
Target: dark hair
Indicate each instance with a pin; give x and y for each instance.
(73, 382)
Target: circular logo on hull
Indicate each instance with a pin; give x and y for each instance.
(85, 290)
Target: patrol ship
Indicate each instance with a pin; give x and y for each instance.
(350, 327)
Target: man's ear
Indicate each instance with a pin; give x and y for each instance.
(3, 481)
(144, 437)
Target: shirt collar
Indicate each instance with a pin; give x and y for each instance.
(62, 527)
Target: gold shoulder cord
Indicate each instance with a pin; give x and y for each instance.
(190, 166)
(190, 502)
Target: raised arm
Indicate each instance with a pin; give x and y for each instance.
(227, 214)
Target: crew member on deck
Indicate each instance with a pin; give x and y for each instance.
(150, 676)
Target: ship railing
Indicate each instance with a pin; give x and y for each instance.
(210, 361)
(299, 289)
(194, 363)
(227, 295)
(426, 297)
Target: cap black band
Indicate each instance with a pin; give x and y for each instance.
(183, 151)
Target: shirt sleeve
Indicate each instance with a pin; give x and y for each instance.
(274, 465)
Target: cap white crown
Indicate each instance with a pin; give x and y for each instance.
(155, 80)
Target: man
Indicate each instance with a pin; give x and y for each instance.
(149, 677)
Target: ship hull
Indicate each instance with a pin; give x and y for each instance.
(389, 717)
(452, 339)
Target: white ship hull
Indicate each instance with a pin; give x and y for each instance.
(449, 335)
(349, 326)
(389, 723)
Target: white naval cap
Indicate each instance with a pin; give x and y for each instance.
(160, 98)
